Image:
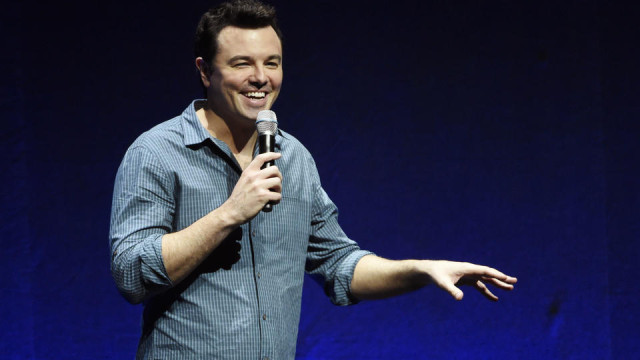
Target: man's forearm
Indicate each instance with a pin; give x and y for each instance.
(377, 278)
(184, 250)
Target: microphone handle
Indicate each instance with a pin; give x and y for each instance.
(266, 143)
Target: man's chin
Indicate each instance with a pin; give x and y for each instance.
(248, 119)
(253, 113)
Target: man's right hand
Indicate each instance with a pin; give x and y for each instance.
(184, 250)
(255, 188)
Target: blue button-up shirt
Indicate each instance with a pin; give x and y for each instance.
(243, 301)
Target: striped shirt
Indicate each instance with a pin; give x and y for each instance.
(243, 301)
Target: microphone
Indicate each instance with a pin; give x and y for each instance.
(267, 125)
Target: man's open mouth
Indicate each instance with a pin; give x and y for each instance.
(255, 94)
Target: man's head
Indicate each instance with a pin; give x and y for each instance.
(239, 56)
(245, 14)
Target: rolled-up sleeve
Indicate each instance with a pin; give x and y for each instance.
(142, 212)
(331, 254)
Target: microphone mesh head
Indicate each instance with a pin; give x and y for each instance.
(267, 123)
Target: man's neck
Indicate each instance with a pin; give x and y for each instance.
(240, 138)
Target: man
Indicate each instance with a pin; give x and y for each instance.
(221, 279)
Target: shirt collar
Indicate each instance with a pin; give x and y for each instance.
(195, 133)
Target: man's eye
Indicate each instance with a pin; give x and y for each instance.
(273, 64)
(240, 65)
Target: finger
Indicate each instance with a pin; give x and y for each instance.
(274, 197)
(498, 283)
(452, 290)
(259, 160)
(506, 279)
(271, 172)
(485, 290)
(274, 185)
(490, 272)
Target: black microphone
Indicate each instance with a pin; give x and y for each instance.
(267, 125)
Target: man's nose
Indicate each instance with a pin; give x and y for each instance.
(259, 77)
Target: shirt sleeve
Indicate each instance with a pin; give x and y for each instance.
(142, 212)
(331, 254)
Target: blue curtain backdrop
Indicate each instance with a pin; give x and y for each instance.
(497, 132)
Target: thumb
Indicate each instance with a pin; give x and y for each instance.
(454, 291)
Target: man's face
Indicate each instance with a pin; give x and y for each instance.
(246, 74)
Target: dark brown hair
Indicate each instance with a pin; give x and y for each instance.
(248, 14)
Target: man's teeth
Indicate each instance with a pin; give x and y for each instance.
(256, 94)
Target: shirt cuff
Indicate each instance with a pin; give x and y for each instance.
(153, 270)
(342, 280)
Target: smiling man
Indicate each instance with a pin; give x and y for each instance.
(220, 279)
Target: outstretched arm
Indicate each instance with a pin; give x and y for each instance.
(377, 278)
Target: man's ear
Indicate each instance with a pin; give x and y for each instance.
(205, 71)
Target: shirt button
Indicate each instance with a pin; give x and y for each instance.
(264, 316)
(253, 233)
(265, 358)
(258, 275)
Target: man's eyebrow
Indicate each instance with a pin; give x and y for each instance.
(248, 58)
(275, 57)
(239, 58)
